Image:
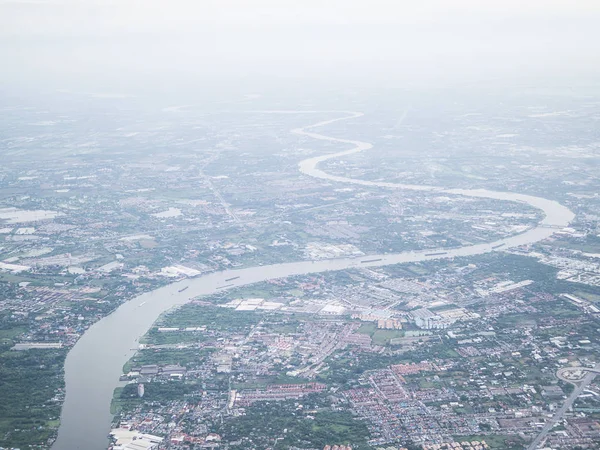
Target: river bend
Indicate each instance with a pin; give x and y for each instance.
(94, 364)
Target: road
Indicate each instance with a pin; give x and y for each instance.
(217, 194)
(559, 414)
(94, 365)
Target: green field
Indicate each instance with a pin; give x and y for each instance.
(380, 337)
(496, 441)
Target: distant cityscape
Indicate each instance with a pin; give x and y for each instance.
(498, 350)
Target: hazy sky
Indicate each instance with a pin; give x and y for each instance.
(124, 41)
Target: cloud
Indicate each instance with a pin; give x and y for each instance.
(169, 39)
(96, 16)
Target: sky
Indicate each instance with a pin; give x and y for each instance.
(122, 43)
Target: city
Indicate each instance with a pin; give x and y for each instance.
(473, 351)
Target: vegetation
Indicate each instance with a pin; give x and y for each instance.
(380, 337)
(343, 368)
(184, 357)
(498, 441)
(195, 315)
(29, 408)
(126, 398)
(308, 423)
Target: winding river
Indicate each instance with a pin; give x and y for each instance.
(94, 364)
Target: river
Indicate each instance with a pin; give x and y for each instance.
(94, 364)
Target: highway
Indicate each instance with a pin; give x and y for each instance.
(559, 414)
